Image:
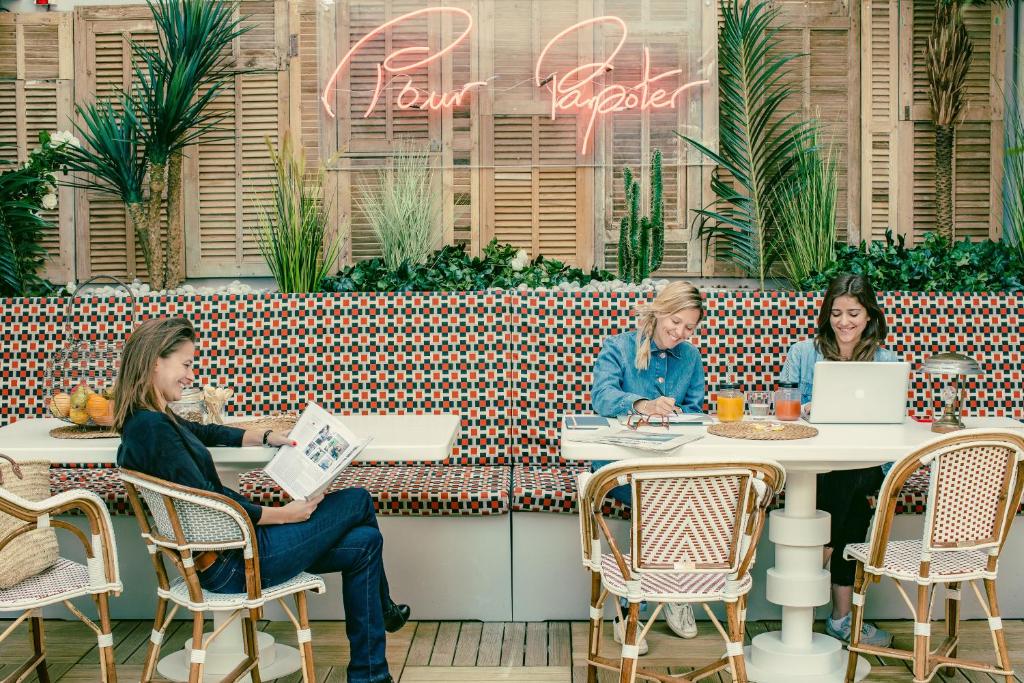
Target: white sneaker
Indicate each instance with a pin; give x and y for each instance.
(680, 620)
(619, 634)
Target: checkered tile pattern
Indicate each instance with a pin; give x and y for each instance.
(104, 481)
(423, 490)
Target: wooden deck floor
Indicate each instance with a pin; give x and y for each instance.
(470, 651)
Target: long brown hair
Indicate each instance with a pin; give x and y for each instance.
(153, 339)
(858, 287)
(676, 296)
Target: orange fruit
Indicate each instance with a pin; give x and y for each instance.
(98, 408)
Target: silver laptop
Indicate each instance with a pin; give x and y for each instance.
(859, 393)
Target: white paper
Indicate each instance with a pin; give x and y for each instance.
(642, 440)
(325, 447)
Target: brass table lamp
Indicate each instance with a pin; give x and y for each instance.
(953, 396)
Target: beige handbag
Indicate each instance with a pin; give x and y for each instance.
(35, 551)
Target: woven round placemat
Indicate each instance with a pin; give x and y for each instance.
(75, 432)
(279, 423)
(762, 431)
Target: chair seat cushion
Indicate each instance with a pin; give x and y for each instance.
(63, 578)
(101, 479)
(903, 561)
(682, 586)
(451, 490)
(178, 593)
(553, 489)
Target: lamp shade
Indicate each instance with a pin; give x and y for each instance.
(951, 364)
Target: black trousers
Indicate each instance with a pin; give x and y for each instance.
(844, 495)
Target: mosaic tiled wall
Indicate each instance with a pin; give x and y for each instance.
(508, 363)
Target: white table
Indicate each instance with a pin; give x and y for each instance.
(797, 582)
(395, 437)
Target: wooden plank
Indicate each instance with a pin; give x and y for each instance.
(536, 644)
(489, 653)
(512, 643)
(559, 644)
(468, 645)
(422, 644)
(542, 674)
(444, 645)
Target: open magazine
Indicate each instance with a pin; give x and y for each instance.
(642, 440)
(325, 447)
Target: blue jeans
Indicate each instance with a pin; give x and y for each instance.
(623, 494)
(341, 536)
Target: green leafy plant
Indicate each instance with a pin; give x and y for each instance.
(25, 189)
(934, 264)
(807, 214)
(293, 231)
(166, 109)
(403, 207)
(1013, 189)
(758, 145)
(451, 269)
(642, 238)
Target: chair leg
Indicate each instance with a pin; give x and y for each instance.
(922, 641)
(736, 614)
(305, 639)
(252, 647)
(195, 669)
(155, 638)
(596, 620)
(952, 620)
(856, 621)
(627, 666)
(39, 648)
(107, 664)
(996, 625)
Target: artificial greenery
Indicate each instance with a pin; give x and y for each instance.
(134, 141)
(933, 265)
(642, 238)
(758, 144)
(293, 230)
(24, 190)
(452, 269)
(403, 207)
(807, 214)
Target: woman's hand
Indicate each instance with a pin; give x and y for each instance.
(662, 406)
(805, 410)
(301, 510)
(279, 439)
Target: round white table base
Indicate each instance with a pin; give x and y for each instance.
(770, 661)
(226, 653)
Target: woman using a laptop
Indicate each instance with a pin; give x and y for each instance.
(851, 327)
(652, 371)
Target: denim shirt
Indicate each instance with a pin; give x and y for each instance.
(799, 368)
(677, 372)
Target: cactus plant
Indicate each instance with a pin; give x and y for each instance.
(642, 238)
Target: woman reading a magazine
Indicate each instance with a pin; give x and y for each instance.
(653, 371)
(333, 533)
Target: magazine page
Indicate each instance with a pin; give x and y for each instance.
(325, 446)
(643, 440)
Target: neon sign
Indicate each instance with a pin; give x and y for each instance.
(575, 92)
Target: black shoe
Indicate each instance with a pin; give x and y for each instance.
(395, 617)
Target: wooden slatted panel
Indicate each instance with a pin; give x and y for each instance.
(363, 178)
(310, 57)
(36, 82)
(235, 176)
(880, 127)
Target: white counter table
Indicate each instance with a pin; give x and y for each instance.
(797, 583)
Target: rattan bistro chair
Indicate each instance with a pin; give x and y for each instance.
(973, 494)
(694, 532)
(65, 580)
(187, 521)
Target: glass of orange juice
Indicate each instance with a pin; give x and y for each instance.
(730, 402)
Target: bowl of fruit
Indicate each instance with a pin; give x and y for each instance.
(84, 406)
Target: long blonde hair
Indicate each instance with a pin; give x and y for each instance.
(675, 297)
(153, 339)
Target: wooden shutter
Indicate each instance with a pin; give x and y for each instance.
(229, 173)
(103, 64)
(36, 88)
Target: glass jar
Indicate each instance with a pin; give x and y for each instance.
(190, 406)
(730, 402)
(787, 402)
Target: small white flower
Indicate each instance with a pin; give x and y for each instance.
(71, 287)
(64, 137)
(49, 201)
(520, 260)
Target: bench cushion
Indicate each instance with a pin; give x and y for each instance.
(424, 490)
(103, 480)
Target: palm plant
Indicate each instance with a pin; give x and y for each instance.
(1013, 190)
(134, 150)
(21, 231)
(404, 207)
(758, 145)
(948, 56)
(807, 215)
(293, 231)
